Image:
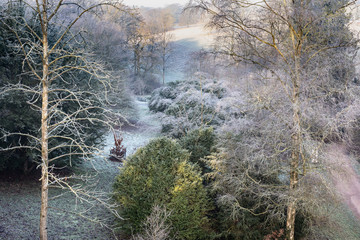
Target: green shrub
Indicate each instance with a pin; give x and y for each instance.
(199, 143)
(160, 174)
(188, 203)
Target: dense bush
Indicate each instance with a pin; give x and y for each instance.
(143, 85)
(160, 174)
(249, 186)
(242, 208)
(199, 101)
(199, 143)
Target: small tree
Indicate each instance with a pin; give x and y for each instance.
(155, 226)
(165, 47)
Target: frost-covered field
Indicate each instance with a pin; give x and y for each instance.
(185, 42)
(199, 34)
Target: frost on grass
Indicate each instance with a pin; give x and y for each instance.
(197, 102)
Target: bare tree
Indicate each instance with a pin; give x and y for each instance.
(160, 22)
(165, 51)
(287, 42)
(70, 94)
(156, 226)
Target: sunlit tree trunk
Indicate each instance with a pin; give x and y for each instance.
(163, 55)
(294, 166)
(295, 154)
(44, 126)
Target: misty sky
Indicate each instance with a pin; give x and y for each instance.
(153, 3)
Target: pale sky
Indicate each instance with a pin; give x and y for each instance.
(153, 3)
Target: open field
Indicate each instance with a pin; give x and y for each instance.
(185, 42)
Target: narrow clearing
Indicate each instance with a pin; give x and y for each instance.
(346, 180)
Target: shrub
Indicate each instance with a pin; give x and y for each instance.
(199, 143)
(144, 84)
(200, 101)
(160, 174)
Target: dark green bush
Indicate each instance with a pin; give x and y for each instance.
(160, 174)
(199, 143)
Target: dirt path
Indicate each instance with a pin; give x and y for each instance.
(346, 180)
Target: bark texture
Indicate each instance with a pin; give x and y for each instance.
(44, 126)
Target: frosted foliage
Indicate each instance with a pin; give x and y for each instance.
(199, 101)
(155, 226)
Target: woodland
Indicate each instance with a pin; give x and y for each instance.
(218, 119)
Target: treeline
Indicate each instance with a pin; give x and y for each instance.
(139, 42)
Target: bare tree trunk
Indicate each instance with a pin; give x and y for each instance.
(44, 129)
(295, 154)
(163, 74)
(45, 164)
(290, 221)
(163, 55)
